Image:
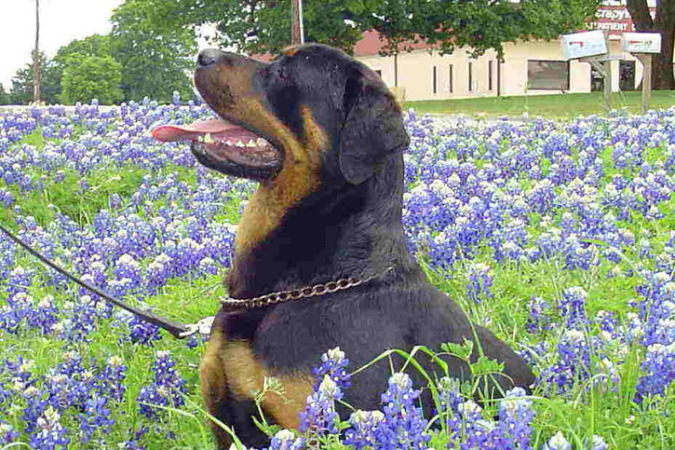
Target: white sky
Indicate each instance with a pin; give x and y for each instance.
(61, 21)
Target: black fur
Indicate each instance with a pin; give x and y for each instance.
(350, 227)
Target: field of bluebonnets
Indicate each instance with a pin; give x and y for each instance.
(557, 236)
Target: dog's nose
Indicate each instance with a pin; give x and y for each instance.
(209, 56)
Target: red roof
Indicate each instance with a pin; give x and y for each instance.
(263, 57)
(371, 44)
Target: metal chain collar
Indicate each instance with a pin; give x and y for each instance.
(297, 294)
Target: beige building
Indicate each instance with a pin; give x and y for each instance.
(528, 68)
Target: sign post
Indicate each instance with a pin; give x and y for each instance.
(591, 47)
(642, 45)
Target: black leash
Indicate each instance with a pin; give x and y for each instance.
(177, 329)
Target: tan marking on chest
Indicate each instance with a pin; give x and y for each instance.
(299, 177)
(245, 375)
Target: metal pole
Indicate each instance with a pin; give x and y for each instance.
(297, 32)
(36, 56)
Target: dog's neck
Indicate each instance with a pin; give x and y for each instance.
(353, 231)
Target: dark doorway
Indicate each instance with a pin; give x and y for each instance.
(597, 81)
(627, 75)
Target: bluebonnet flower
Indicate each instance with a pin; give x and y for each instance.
(127, 268)
(110, 381)
(403, 425)
(96, 417)
(480, 279)
(658, 367)
(573, 361)
(286, 440)
(167, 388)
(79, 321)
(363, 429)
(7, 433)
(51, 435)
(572, 307)
(515, 417)
(319, 416)
(141, 332)
(44, 316)
(538, 320)
(333, 364)
(133, 443)
(557, 442)
(36, 403)
(598, 443)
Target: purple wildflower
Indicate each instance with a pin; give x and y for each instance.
(319, 416)
(51, 435)
(167, 388)
(364, 428)
(403, 424)
(286, 440)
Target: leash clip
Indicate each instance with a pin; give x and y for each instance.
(202, 327)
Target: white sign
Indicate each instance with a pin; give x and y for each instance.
(582, 45)
(641, 42)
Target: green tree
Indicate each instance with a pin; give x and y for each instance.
(664, 23)
(155, 63)
(4, 96)
(21, 92)
(264, 25)
(94, 45)
(479, 24)
(89, 77)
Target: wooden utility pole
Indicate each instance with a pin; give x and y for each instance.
(297, 33)
(36, 56)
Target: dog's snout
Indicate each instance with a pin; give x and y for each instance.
(209, 56)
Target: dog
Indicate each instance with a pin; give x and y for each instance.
(324, 137)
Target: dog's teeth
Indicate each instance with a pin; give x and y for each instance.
(208, 139)
(251, 144)
(260, 142)
(228, 143)
(200, 138)
(239, 143)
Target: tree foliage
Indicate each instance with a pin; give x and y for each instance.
(21, 91)
(264, 25)
(95, 45)
(155, 63)
(4, 96)
(664, 23)
(89, 77)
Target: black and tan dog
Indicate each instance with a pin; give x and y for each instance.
(324, 137)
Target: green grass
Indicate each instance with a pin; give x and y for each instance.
(559, 106)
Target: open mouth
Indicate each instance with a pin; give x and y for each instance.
(226, 147)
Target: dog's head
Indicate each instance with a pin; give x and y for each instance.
(314, 109)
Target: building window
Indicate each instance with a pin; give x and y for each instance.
(489, 75)
(552, 75)
(450, 78)
(435, 80)
(470, 76)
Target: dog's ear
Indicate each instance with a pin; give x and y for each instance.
(373, 126)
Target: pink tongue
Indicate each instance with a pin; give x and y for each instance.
(171, 133)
